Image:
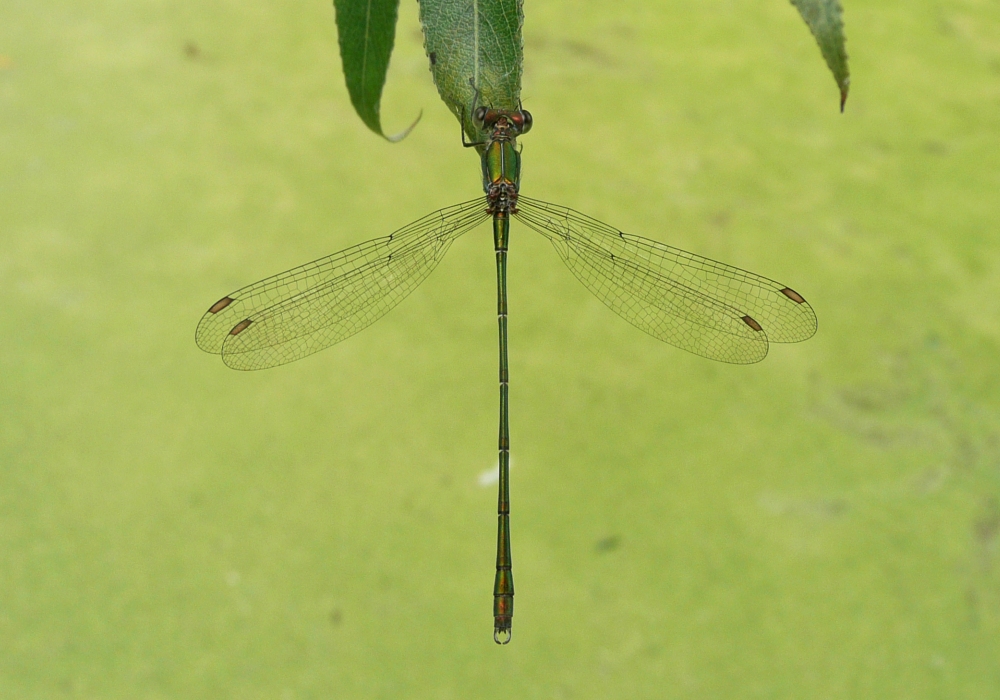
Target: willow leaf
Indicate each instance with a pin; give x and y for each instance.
(825, 20)
(477, 41)
(367, 30)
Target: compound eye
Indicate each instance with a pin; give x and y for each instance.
(479, 116)
(526, 121)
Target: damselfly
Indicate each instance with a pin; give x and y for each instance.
(696, 304)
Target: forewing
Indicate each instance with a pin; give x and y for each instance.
(311, 307)
(700, 305)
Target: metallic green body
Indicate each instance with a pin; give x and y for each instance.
(501, 178)
(501, 164)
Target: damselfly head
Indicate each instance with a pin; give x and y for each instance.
(517, 121)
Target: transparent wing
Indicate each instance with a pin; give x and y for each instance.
(699, 305)
(304, 310)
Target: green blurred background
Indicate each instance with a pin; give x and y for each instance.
(822, 525)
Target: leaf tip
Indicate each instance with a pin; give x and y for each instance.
(396, 138)
(843, 99)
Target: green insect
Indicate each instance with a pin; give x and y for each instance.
(693, 303)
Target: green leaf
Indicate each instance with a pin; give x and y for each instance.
(825, 20)
(477, 40)
(367, 29)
